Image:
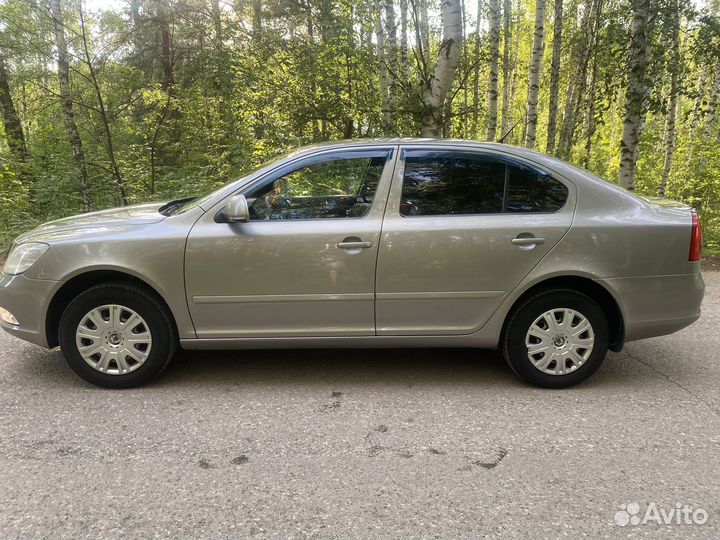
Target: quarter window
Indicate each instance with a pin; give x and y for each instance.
(338, 188)
(443, 183)
(530, 190)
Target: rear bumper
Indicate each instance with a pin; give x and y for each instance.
(27, 299)
(657, 305)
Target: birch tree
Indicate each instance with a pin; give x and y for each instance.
(577, 83)
(383, 75)
(66, 100)
(673, 99)
(494, 43)
(634, 93)
(436, 88)
(404, 65)
(506, 66)
(391, 62)
(476, 72)
(554, 77)
(534, 74)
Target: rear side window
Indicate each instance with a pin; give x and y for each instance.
(452, 183)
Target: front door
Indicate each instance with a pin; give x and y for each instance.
(304, 265)
(462, 229)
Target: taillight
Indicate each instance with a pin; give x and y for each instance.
(695, 238)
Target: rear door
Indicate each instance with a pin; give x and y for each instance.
(462, 228)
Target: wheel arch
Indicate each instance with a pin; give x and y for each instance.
(586, 286)
(83, 281)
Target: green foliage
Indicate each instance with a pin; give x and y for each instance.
(232, 87)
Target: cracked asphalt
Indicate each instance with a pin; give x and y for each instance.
(363, 444)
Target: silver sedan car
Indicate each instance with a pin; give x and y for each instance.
(390, 243)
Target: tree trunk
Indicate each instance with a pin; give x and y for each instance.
(13, 127)
(424, 30)
(436, 89)
(673, 100)
(713, 103)
(67, 105)
(555, 77)
(590, 127)
(383, 75)
(576, 85)
(534, 76)
(217, 23)
(476, 73)
(137, 37)
(513, 85)
(506, 66)
(391, 61)
(494, 38)
(257, 21)
(117, 177)
(165, 48)
(635, 93)
(404, 66)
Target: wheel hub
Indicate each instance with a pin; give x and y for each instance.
(113, 339)
(559, 341)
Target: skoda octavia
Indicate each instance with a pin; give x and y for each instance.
(397, 243)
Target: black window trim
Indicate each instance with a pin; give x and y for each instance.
(502, 158)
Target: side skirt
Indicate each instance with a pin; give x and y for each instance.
(359, 342)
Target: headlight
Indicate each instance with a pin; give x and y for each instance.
(23, 256)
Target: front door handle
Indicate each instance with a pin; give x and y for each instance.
(527, 240)
(353, 244)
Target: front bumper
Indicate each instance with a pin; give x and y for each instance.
(657, 305)
(27, 299)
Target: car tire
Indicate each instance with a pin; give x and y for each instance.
(559, 355)
(132, 342)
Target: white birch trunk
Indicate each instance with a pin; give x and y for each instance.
(391, 60)
(436, 90)
(534, 74)
(673, 101)
(635, 93)
(555, 77)
(506, 66)
(494, 39)
(382, 64)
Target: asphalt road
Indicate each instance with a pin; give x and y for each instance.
(363, 444)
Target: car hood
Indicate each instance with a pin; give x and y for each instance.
(114, 218)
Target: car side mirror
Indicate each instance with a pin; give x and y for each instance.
(237, 210)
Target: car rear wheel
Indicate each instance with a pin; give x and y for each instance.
(117, 335)
(556, 339)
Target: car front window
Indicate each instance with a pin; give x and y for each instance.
(333, 188)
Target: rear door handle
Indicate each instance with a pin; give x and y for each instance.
(354, 244)
(527, 241)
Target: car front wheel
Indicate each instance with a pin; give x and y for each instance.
(117, 335)
(556, 339)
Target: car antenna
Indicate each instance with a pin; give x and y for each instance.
(509, 131)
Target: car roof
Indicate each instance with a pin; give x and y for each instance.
(418, 141)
